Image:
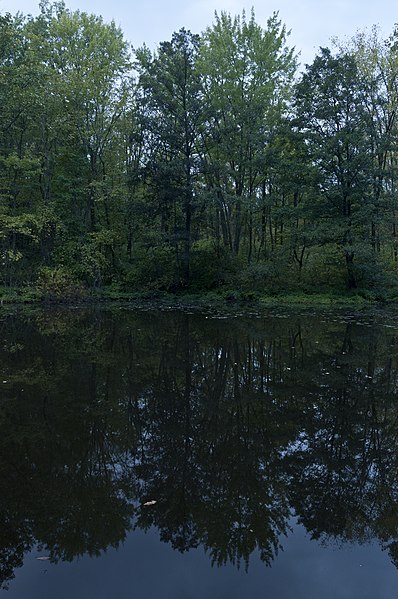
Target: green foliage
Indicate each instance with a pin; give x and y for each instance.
(211, 265)
(95, 264)
(25, 295)
(333, 120)
(247, 71)
(172, 100)
(213, 167)
(262, 276)
(152, 268)
(55, 284)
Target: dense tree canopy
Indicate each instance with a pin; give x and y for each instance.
(209, 162)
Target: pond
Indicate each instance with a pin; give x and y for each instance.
(156, 453)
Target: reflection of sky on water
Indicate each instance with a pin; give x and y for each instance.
(144, 568)
(105, 426)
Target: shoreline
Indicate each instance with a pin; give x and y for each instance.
(229, 300)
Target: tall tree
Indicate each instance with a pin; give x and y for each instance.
(80, 68)
(247, 72)
(21, 96)
(332, 118)
(172, 105)
(377, 62)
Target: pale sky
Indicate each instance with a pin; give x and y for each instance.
(312, 22)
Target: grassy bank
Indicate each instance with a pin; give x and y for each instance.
(225, 297)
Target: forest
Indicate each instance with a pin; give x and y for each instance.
(211, 163)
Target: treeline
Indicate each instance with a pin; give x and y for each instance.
(211, 162)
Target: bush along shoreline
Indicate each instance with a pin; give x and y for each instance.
(222, 299)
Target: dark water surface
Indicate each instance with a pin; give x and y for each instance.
(265, 448)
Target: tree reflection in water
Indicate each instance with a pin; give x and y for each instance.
(231, 426)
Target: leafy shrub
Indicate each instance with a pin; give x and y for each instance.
(152, 268)
(325, 269)
(211, 266)
(59, 283)
(261, 276)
